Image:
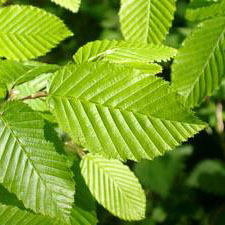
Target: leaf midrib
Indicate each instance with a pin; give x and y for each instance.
(205, 65)
(121, 109)
(27, 155)
(114, 181)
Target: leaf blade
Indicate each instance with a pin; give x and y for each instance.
(147, 21)
(25, 32)
(30, 167)
(107, 109)
(195, 75)
(121, 193)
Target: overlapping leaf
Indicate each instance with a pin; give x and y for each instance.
(27, 32)
(147, 21)
(131, 54)
(123, 52)
(114, 186)
(30, 166)
(199, 67)
(119, 112)
(10, 215)
(72, 5)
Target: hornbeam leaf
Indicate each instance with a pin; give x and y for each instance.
(10, 215)
(114, 186)
(72, 5)
(147, 21)
(119, 112)
(131, 54)
(30, 167)
(123, 52)
(28, 32)
(198, 68)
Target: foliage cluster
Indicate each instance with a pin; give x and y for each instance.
(82, 126)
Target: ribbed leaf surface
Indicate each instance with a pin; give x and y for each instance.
(114, 186)
(72, 5)
(131, 54)
(10, 215)
(30, 166)
(199, 66)
(123, 51)
(119, 112)
(147, 21)
(27, 32)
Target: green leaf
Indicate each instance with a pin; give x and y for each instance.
(123, 52)
(147, 21)
(119, 112)
(10, 215)
(199, 67)
(114, 186)
(27, 32)
(209, 176)
(199, 10)
(30, 166)
(131, 54)
(13, 73)
(72, 5)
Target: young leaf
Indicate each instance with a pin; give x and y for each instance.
(13, 73)
(72, 5)
(198, 68)
(123, 52)
(114, 186)
(147, 21)
(27, 32)
(10, 215)
(119, 112)
(131, 54)
(30, 166)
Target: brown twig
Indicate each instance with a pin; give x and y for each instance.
(36, 95)
(75, 149)
(219, 117)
